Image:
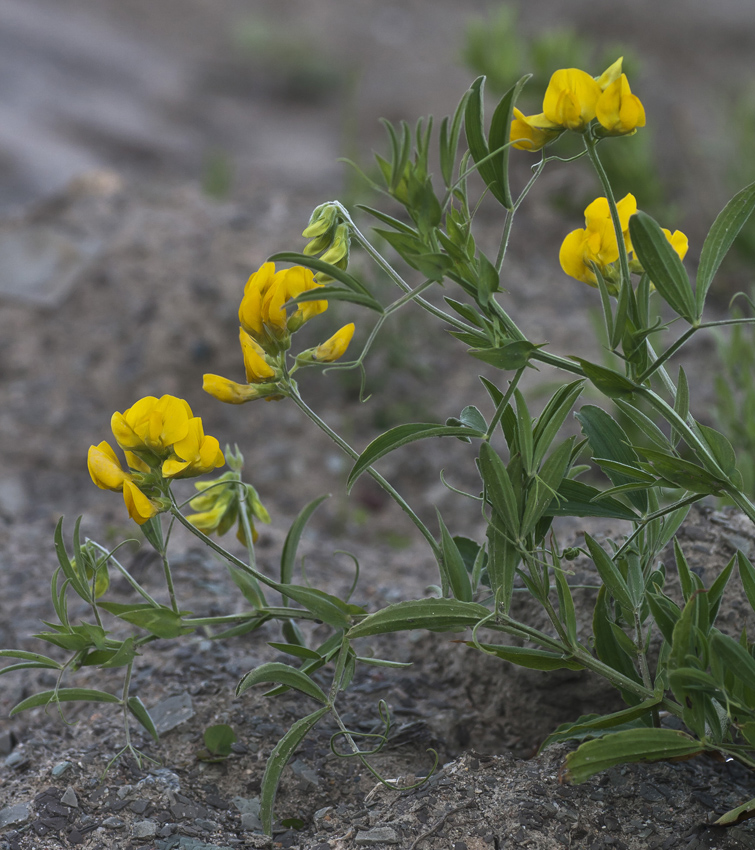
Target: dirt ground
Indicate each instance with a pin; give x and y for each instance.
(120, 276)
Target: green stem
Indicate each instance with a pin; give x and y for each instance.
(169, 581)
(354, 455)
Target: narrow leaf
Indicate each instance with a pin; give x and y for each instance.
(433, 614)
(63, 695)
(281, 674)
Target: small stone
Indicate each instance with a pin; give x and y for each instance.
(377, 835)
(321, 813)
(144, 829)
(61, 767)
(16, 759)
(247, 805)
(7, 742)
(124, 791)
(138, 807)
(251, 822)
(305, 773)
(69, 798)
(113, 823)
(11, 815)
(172, 712)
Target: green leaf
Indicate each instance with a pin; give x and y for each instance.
(330, 292)
(246, 585)
(162, 621)
(682, 473)
(295, 650)
(288, 556)
(435, 614)
(609, 573)
(735, 816)
(329, 609)
(279, 757)
(63, 695)
(608, 648)
(662, 264)
(734, 657)
(219, 738)
(608, 440)
(389, 220)
(632, 745)
(541, 492)
(666, 613)
(512, 355)
(610, 383)
(503, 559)
(453, 564)
(553, 417)
(141, 713)
(644, 424)
(320, 266)
(533, 659)
(724, 231)
(112, 658)
(721, 449)
(281, 674)
(449, 140)
(578, 499)
(689, 581)
(747, 576)
(471, 417)
(499, 488)
(400, 436)
(32, 657)
(598, 725)
(681, 403)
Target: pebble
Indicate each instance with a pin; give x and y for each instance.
(144, 829)
(14, 814)
(172, 712)
(124, 791)
(378, 835)
(61, 767)
(7, 742)
(113, 823)
(16, 759)
(305, 773)
(69, 798)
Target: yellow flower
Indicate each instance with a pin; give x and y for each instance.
(152, 424)
(107, 474)
(570, 99)
(618, 110)
(596, 242)
(257, 368)
(678, 242)
(334, 347)
(262, 313)
(139, 507)
(531, 132)
(194, 455)
(105, 468)
(232, 392)
(612, 73)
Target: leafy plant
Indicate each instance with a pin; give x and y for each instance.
(665, 659)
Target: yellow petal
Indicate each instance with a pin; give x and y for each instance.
(334, 347)
(229, 391)
(260, 280)
(257, 368)
(139, 507)
(105, 468)
(678, 241)
(612, 72)
(527, 135)
(571, 257)
(570, 98)
(618, 110)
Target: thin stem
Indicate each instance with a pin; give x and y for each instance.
(354, 455)
(169, 581)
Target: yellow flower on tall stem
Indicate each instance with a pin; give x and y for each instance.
(619, 111)
(570, 99)
(108, 474)
(335, 347)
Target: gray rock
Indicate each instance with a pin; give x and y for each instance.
(251, 822)
(113, 823)
(305, 773)
(378, 835)
(61, 767)
(144, 829)
(7, 738)
(12, 815)
(124, 791)
(172, 712)
(16, 759)
(69, 798)
(247, 805)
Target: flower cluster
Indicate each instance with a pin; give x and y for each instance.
(162, 440)
(573, 100)
(265, 334)
(596, 243)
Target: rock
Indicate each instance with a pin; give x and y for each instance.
(172, 712)
(113, 823)
(377, 835)
(144, 829)
(12, 815)
(69, 798)
(17, 759)
(7, 738)
(305, 773)
(61, 767)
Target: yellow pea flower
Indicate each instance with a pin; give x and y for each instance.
(612, 73)
(152, 424)
(232, 392)
(105, 468)
(194, 455)
(334, 347)
(596, 242)
(678, 241)
(108, 474)
(570, 99)
(532, 132)
(257, 368)
(619, 111)
(139, 507)
(262, 313)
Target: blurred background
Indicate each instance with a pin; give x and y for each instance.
(153, 154)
